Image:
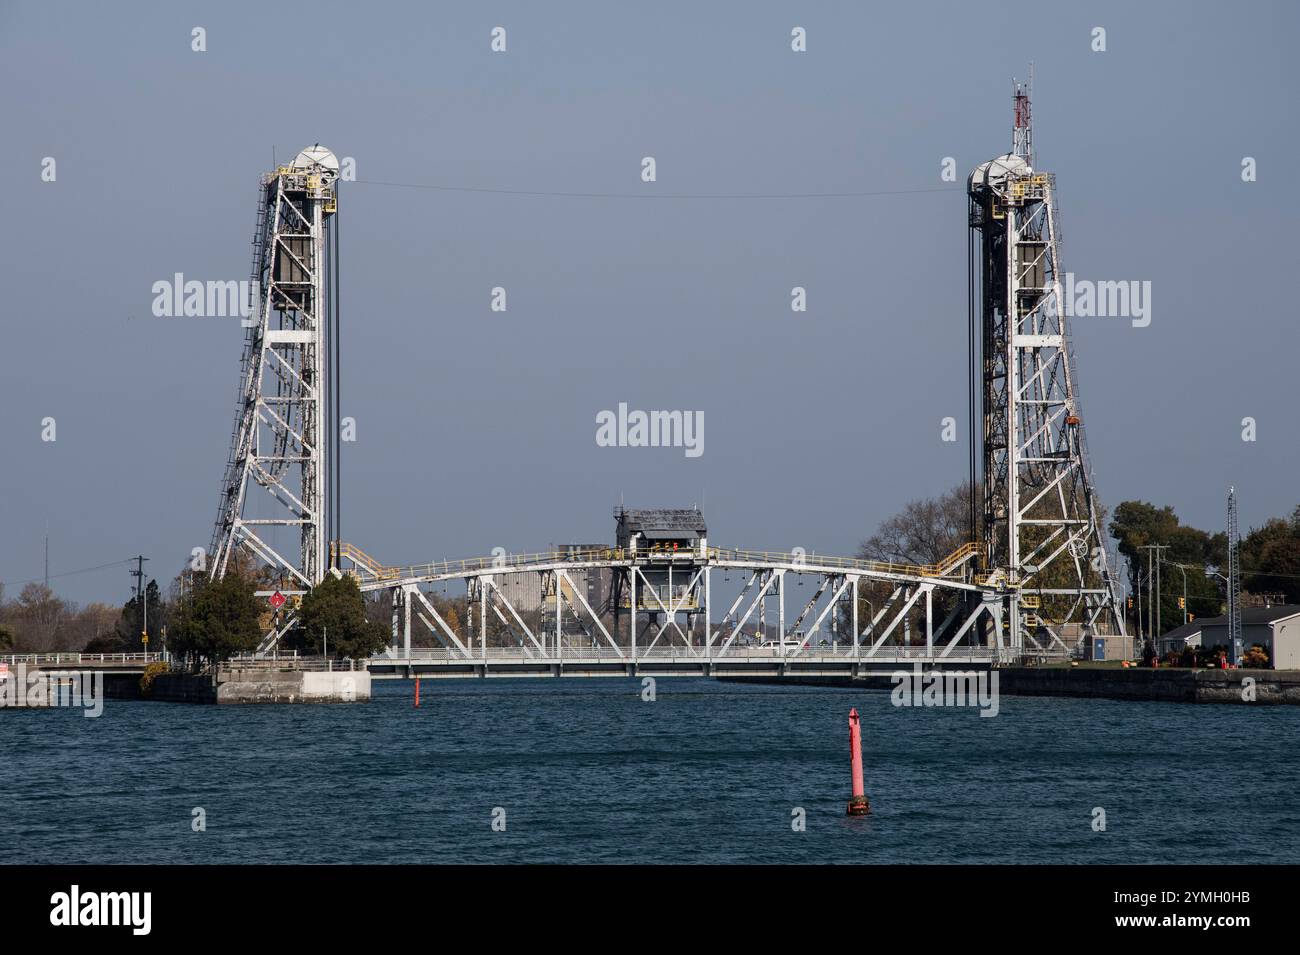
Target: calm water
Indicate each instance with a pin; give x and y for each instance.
(587, 772)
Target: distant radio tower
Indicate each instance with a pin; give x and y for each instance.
(1234, 580)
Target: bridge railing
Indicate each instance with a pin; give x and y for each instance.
(501, 562)
(69, 659)
(945, 566)
(292, 661)
(506, 562)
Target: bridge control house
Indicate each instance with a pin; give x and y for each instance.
(669, 546)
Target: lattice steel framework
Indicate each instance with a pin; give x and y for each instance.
(280, 437)
(1040, 527)
(659, 592)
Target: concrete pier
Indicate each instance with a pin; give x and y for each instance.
(256, 685)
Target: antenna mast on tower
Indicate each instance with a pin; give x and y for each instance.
(1022, 127)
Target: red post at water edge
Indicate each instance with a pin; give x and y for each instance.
(858, 804)
(417, 691)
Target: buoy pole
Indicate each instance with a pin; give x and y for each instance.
(858, 804)
(417, 692)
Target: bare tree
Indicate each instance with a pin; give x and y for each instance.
(925, 531)
(39, 614)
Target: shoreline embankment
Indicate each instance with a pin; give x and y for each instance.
(1111, 683)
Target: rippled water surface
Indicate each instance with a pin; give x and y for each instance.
(588, 772)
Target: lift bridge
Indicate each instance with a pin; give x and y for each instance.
(1033, 580)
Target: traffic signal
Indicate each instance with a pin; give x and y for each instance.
(1130, 603)
(1182, 603)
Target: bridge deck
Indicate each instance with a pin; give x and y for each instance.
(675, 661)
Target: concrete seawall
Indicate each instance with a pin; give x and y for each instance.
(1175, 686)
(1162, 685)
(258, 685)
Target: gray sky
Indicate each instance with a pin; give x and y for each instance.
(476, 429)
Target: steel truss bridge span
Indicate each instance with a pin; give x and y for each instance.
(823, 624)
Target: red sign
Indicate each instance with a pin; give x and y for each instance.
(277, 600)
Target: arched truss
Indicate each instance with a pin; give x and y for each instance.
(662, 621)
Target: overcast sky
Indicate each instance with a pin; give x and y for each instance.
(477, 429)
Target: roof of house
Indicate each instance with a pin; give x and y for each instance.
(1185, 631)
(1253, 615)
(663, 519)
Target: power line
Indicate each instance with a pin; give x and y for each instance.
(659, 195)
(73, 573)
(1248, 573)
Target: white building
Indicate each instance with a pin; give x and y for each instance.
(1276, 629)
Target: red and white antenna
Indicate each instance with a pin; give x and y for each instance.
(1022, 130)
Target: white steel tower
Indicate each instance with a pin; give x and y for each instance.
(277, 473)
(1039, 523)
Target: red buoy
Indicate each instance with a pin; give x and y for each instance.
(858, 804)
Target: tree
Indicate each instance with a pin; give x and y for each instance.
(39, 615)
(217, 619)
(93, 624)
(6, 638)
(1139, 523)
(1270, 558)
(925, 531)
(157, 612)
(335, 611)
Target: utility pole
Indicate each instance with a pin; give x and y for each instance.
(1150, 612)
(1234, 581)
(1160, 559)
(143, 593)
(1137, 593)
(1153, 560)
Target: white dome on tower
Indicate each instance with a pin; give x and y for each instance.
(318, 157)
(994, 173)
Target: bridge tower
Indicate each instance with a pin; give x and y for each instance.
(1038, 522)
(286, 422)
